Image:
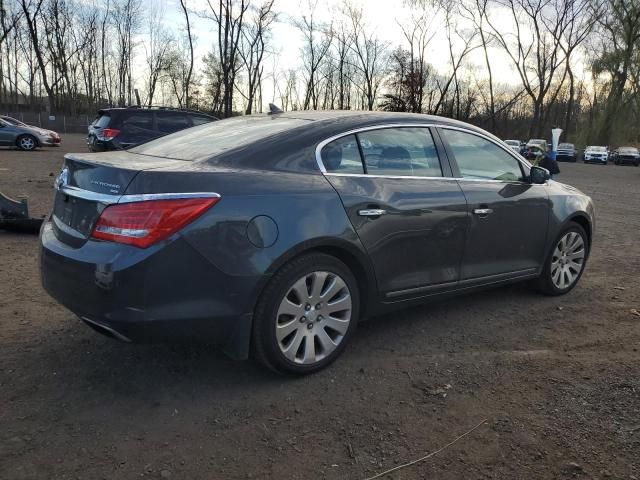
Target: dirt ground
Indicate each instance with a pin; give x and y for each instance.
(557, 379)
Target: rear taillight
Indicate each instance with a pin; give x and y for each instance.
(108, 134)
(142, 224)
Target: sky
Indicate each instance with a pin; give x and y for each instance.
(381, 15)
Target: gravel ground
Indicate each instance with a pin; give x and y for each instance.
(556, 379)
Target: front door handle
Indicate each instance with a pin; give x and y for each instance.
(372, 212)
(483, 211)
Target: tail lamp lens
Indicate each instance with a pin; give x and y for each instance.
(142, 224)
(108, 134)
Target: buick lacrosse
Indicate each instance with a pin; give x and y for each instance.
(273, 235)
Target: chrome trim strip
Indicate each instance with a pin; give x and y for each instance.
(413, 177)
(76, 192)
(364, 129)
(108, 199)
(144, 197)
(321, 145)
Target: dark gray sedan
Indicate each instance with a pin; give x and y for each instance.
(276, 234)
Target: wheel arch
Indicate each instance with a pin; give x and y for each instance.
(583, 220)
(345, 251)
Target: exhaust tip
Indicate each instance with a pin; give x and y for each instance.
(105, 330)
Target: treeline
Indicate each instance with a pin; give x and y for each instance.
(577, 62)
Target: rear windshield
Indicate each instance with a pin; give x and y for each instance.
(214, 138)
(102, 121)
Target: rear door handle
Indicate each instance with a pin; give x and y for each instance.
(483, 211)
(372, 212)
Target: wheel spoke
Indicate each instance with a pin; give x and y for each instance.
(340, 326)
(339, 305)
(301, 291)
(325, 341)
(318, 279)
(291, 349)
(335, 285)
(286, 329)
(287, 307)
(309, 351)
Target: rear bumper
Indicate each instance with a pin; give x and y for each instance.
(166, 292)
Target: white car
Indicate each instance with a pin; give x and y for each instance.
(596, 154)
(515, 145)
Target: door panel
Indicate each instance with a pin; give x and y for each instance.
(508, 216)
(411, 220)
(511, 238)
(420, 239)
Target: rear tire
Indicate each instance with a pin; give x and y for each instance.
(306, 315)
(566, 262)
(26, 142)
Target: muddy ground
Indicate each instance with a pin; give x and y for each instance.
(557, 379)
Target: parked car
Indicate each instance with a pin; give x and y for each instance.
(26, 137)
(538, 142)
(566, 152)
(120, 128)
(268, 233)
(515, 145)
(596, 154)
(626, 155)
(46, 138)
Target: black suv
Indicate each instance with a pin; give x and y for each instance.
(119, 128)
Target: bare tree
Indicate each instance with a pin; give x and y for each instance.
(317, 42)
(369, 52)
(157, 50)
(535, 52)
(229, 17)
(183, 4)
(252, 49)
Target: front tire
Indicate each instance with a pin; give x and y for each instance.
(306, 315)
(26, 142)
(565, 264)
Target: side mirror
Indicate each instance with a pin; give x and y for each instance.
(539, 175)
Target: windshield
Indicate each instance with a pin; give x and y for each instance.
(628, 150)
(514, 143)
(211, 139)
(597, 149)
(565, 145)
(13, 121)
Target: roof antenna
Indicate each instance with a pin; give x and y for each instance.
(273, 109)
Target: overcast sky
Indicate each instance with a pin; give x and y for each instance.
(382, 15)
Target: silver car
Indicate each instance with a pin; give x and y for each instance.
(25, 137)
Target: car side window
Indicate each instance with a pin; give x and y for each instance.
(140, 120)
(482, 159)
(342, 156)
(406, 151)
(169, 123)
(199, 120)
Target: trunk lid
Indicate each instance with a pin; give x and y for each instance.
(88, 183)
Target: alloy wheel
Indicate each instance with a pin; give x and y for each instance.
(568, 260)
(27, 143)
(313, 317)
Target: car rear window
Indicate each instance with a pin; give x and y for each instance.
(102, 120)
(214, 138)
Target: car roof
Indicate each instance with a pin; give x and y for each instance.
(345, 120)
(152, 109)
